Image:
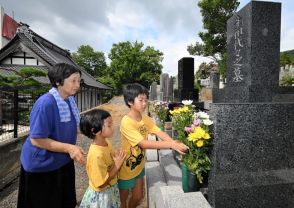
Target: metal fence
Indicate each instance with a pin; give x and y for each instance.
(15, 107)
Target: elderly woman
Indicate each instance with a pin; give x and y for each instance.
(47, 177)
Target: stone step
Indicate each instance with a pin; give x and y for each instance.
(154, 179)
(164, 193)
(171, 169)
(174, 197)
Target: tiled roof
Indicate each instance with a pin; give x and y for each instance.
(46, 52)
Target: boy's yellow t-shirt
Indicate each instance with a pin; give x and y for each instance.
(132, 132)
(99, 161)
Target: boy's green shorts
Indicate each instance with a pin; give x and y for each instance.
(129, 184)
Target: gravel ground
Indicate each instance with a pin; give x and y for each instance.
(117, 108)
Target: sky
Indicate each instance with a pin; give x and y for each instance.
(167, 25)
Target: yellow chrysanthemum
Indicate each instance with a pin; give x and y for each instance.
(192, 137)
(197, 134)
(199, 143)
(184, 109)
(176, 111)
(199, 131)
(206, 136)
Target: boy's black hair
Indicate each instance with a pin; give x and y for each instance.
(131, 91)
(59, 72)
(92, 122)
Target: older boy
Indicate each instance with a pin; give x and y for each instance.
(135, 127)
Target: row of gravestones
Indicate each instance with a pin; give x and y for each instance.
(253, 157)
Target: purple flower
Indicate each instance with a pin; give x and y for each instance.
(188, 129)
(197, 122)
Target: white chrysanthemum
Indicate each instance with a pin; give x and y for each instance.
(187, 102)
(203, 115)
(207, 122)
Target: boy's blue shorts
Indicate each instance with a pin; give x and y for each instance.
(129, 184)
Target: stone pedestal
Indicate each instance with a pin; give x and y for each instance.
(253, 157)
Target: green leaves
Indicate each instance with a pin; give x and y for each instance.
(131, 62)
(22, 78)
(198, 162)
(91, 61)
(286, 58)
(215, 14)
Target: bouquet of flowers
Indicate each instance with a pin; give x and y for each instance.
(161, 110)
(199, 139)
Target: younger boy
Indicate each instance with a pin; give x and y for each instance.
(135, 127)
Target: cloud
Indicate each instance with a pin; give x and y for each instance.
(168, 25)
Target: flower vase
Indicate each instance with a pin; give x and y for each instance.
(205, 180)
(190, 182)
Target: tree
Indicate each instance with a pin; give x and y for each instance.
(215, 14)
(286, 58)
(91, 61)
(23, 78)
(131, 62)
(204, 73)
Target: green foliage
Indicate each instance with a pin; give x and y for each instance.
(131, 62)
(197, 160)
(23, 78)
(204, 72)
(215, 14)
(222, 64)
(287, 80)
(107, 80)
(197, 84)
(286, 58)
(24, 117)
(91, 61)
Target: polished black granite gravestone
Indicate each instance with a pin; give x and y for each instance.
(186, 89)
(253, 152)
(186, 73)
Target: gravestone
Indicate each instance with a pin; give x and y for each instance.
(169, 89)
(186, 89)
(214, 80)
(153, 91)
(163, 86)
(253, 42)
(253, 157)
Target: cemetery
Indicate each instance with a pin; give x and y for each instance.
(239, 136)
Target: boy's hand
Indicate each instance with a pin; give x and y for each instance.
(118, 158)
(180, 147)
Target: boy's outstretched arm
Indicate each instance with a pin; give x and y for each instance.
(163, 136)
(178, 146)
